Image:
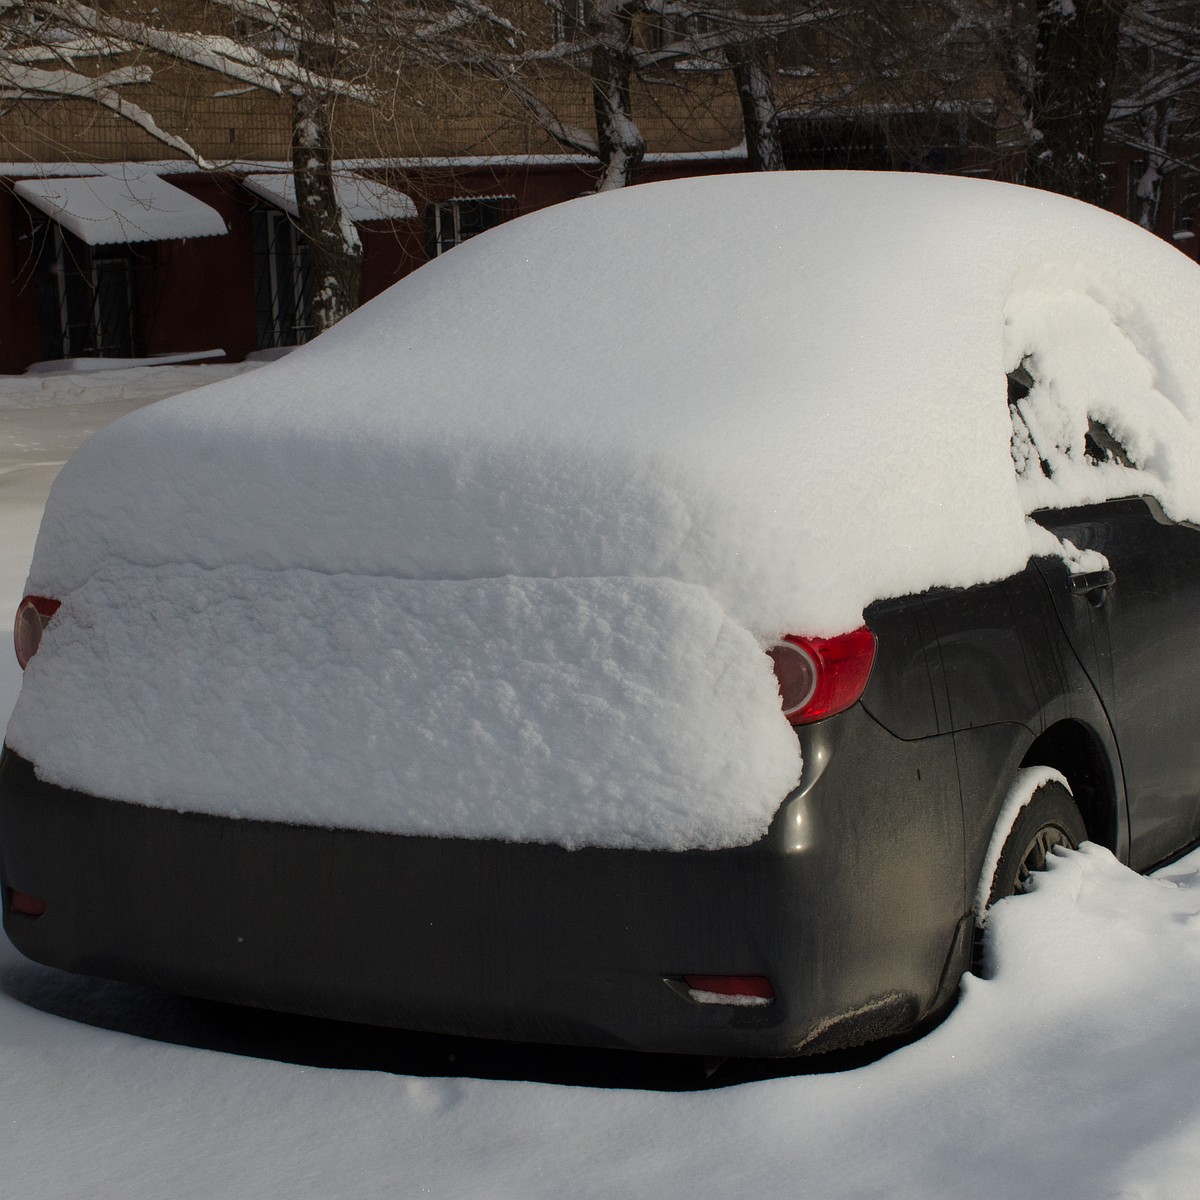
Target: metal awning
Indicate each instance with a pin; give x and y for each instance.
(361, 198)
(103, 209)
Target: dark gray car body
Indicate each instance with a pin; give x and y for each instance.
(858, 905)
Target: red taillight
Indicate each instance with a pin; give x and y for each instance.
(33, 615)
(730, 989)
(822, 676)
(21, 902)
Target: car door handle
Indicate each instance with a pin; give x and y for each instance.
(1093, 585)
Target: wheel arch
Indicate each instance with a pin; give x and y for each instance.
(1089, 765)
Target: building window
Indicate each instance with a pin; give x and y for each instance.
(1183, 211)
(692, 27)
(282, 282)
(684, 35)
(449, 222)
(798, 51)
(896, 142)
(570, 19)
(834, 143)
(87, 296)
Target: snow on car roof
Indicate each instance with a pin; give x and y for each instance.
(788, 388)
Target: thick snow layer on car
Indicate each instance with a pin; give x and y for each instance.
(1091, 364)
(787, 388)
(787, 392)
(43, 420)
(602, 712)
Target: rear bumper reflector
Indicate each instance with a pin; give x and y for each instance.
(729, 989)
(21, 902)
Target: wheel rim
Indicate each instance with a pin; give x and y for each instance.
(1047, 839)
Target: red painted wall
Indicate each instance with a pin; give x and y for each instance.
(198, 293)
(18, 300)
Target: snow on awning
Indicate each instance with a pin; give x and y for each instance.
(361, 198)
(101, 209)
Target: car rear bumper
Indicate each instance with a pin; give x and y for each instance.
(852, 907)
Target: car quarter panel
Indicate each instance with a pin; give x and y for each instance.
(906, 693)
(1138, 639)
(1013, 683)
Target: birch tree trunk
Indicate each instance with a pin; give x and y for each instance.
(622, 146)
(1154, 125)
(760, 117)
(335, 251)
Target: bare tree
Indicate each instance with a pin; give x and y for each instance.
(39, 61)
(1058, 61)
(611, 45)
(278, 62)
(316, 55)
(1157, 112)
(351, 51)
(1083, 75)
(592, 40)
(753, 76)
(1070, 93)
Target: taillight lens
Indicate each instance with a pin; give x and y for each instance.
(730, 989)
(33, 615)
(822, 676)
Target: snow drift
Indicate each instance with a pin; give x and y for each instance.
(786, 391)
(598, 712)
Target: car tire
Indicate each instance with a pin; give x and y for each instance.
(1049, 820)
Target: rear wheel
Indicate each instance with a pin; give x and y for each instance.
(1049, 821)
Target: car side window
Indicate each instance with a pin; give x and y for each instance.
(1100, 446)
(1048, 442)
(1026, 458)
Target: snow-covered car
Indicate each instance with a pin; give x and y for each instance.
(670, 621)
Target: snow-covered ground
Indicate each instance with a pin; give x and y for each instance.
(1073, 1073)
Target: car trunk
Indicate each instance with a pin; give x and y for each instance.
(579, 712)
